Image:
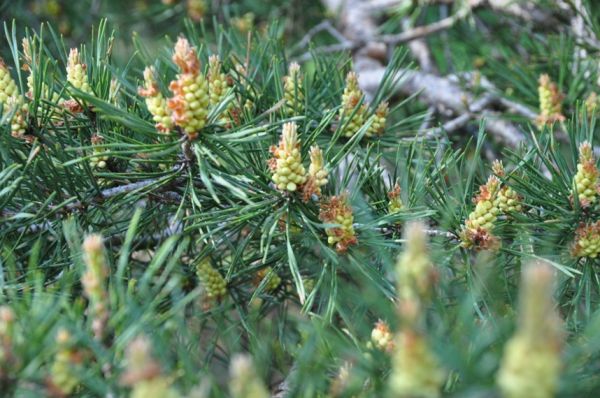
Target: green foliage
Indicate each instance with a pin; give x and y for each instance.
(175, 209)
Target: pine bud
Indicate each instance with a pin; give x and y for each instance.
(272, 283)
(45, 91)
(395, 204)
(8, 87)
(213, 282)
(586, 180)
(143, 373)
(33, 69)
(63, 373)
(190, 91)
(382, 337)
(336, 210)
(377, 127)
(591, 104)
(140, 364)
(587, 241)
(28, 66)
(77, 72)
(243, 77)
(531, 363)
(94, 283)
(415, 370)
(550, 102)
(415, 273)
(113, 91)
(7, 334)
(155, 102)
(244, 382)
(477, 231)
(7, 322)
(292, 90)
(196, 9)
(341, 381)
(244, 23)
(159, 387)
(317, 174)
(351, 98)
(286, 164)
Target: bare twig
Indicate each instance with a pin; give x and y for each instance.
(420, 51)
(284, 388)
(426, 121)
(422, 31)
(324, 25)
(332, 48)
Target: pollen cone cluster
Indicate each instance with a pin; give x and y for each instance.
(156, 103)
(317, 174)
(550, 102)
(11, 101)
(415, 369)
(293, 91)
(337, 210)
(530, 366)
(381, 337)
(213, 282)
(587, 241)
(477, 231)
(395, 204)
(77, 72)
(586, 180)
(508, 200)
(218, 88)
(379, 118)
(189, 104)
(272, 283)
(217, 81)
(354, 118)
(98, 162)
(18, 123)
(286, 164)
(8, 87)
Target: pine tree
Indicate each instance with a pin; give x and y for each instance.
(214, 206)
